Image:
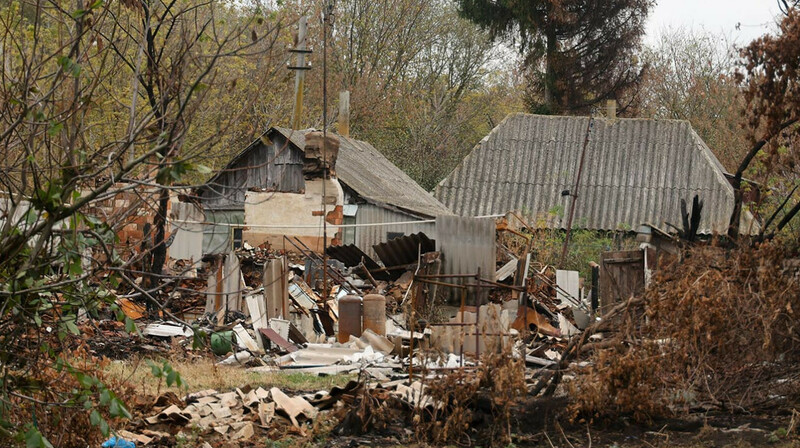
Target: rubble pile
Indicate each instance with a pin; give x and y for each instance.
(406, 325)
(246, 415)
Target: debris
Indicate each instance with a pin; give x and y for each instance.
(507, 270)
(255, 306)
(292, 407)
(567, 329)
(245, 433)
(143, 439)
(167, 329)
(221, 412)
(271, 335)
(296, 335)
(378, 342)
(245, 340)
(316, 355)
(280, 326)
(534, 318)
(266, 412)
(131, 309)
(175, 415)
(302, 295)
(237, 358)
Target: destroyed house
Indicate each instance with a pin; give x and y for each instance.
(271, 189)
(635, 171)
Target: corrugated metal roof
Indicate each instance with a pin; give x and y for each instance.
(404, 250)
(635, 171)
(365, 170)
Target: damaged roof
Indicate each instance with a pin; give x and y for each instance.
(635, 171)
(367, 172)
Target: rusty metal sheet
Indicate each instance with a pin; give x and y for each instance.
(276, 339)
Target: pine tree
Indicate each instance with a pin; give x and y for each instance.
(578, 52)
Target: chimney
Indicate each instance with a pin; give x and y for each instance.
(344, 113)
(300, 50)
(611, 109)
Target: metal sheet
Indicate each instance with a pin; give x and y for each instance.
(277, 339)
(404, 250)
(468, 245)
(188, 242)
(368, 236)
(351, 256)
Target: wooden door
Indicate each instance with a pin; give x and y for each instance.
(621, 276)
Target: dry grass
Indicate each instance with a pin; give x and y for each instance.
(203, 374)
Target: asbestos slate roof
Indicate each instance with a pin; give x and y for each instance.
(367, 172)
(635, 171)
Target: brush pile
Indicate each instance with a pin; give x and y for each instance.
(721, 334)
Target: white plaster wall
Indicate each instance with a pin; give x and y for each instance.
(185, 222)
(292, 213)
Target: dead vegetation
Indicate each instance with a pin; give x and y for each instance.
(716, 332)
(54, 397)
(473, 407)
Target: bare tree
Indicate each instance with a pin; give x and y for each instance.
(97, 100)
(691, 77)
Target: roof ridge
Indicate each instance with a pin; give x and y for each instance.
(616, 119)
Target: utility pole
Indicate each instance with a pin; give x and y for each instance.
(300, 50)
(574, 192)
(327, 20)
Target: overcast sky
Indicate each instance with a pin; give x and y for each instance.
(755, 17)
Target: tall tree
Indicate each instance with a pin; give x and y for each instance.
(424, 81)
(580, 52)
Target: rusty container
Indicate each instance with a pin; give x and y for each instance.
(375, 313)
(349, 318)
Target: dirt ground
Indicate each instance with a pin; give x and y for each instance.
(538, 422)
(541, 424)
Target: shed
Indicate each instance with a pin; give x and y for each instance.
(635, 171)
(373, 191)
(269, 164)
(376, 191)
